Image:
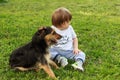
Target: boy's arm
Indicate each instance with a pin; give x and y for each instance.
(75, 46)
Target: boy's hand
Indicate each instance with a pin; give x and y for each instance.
(76, 51)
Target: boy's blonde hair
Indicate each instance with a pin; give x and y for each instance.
(60, 16)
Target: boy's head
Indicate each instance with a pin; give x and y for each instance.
(60, 16)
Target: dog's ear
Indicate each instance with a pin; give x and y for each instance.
(41, 31)
(42, 28)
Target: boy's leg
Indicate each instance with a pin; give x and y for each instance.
(53, 53)
(62, 60)
(55, 56)
(80, 56)
(80, 59)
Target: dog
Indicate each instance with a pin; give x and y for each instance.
(35, 55)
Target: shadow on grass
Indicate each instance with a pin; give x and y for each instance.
(3, 1)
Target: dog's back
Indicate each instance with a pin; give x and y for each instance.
(24, 56)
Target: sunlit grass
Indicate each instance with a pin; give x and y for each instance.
(95, 22)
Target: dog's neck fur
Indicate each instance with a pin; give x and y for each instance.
(40, 45)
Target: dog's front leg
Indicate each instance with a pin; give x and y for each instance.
(53, 64)
(48, 70)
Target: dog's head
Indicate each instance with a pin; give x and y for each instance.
(46, 34)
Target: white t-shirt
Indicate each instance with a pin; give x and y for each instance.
(66, 42)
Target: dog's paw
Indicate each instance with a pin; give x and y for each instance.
(37, 70)
(57, 67)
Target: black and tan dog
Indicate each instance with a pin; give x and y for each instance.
(35, 54)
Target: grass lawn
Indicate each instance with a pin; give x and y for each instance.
(96, 22)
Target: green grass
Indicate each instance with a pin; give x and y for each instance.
(96, 22)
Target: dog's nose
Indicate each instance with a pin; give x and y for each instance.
(59, 36)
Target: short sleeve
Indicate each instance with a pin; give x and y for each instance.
(73, 32)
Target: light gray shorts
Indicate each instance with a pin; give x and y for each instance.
(67, 53)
